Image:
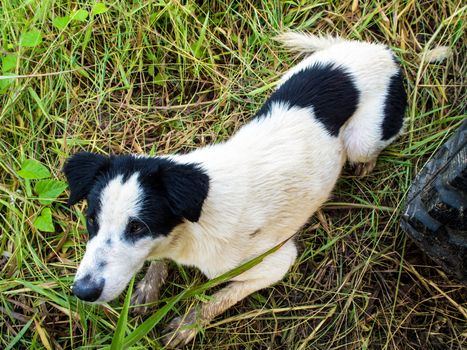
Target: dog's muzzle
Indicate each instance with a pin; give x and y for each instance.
(88, 289)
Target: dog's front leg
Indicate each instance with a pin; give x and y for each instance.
(148, 289)
(272, 269)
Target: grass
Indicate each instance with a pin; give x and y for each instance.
(169, 76)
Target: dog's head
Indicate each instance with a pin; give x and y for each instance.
(133, 205)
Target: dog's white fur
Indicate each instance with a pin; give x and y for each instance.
(265, 182)
(120, 201)
(275, 172)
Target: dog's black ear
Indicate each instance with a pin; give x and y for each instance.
(80, 171)
(186, 187)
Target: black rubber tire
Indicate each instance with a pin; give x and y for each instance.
(435, 213)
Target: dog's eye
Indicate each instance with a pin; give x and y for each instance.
(135, 227)
(92, 220)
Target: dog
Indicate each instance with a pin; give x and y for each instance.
(224, 204)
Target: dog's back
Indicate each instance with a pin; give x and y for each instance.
(345, 101)
(375, 73)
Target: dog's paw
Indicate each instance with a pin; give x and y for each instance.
(145, 293)
(364, 169)
(180, 331)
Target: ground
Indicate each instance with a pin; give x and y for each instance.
(168, 76)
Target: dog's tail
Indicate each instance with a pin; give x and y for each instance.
(307, 43)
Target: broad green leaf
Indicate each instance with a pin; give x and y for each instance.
(9, 63)
(79, 15)
(151, 70)
(61, 22)
(31, 38)
(99, 8)
(81, 70)
(32, 169)
(4, 84)
(49, 190)
(44, 221)
(159, 79)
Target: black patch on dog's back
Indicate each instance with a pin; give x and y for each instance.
(394, 107)
(329, 89)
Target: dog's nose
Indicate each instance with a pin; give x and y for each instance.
(87, 289)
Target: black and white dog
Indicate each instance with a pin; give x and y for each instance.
(222, 205)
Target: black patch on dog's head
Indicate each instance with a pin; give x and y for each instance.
(394, 107)
(329, 89)
(186, 187)
(81, 170)
(171, 192)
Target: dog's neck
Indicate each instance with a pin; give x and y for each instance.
(210, 244)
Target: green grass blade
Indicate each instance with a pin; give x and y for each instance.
(19, 335)
(145, 327)
(152, 321)
(119, 335)
(202, 35)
